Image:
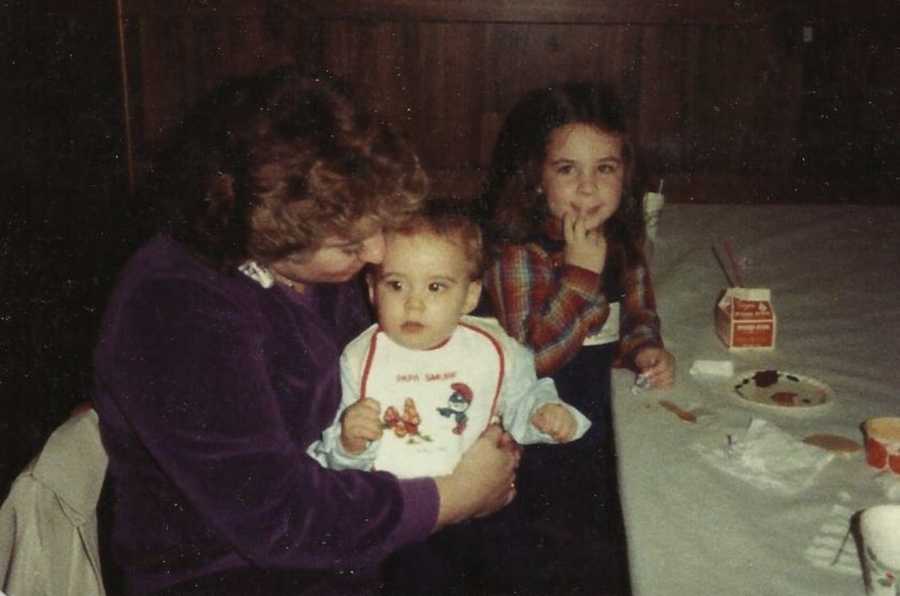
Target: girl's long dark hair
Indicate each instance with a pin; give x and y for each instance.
(513, 208)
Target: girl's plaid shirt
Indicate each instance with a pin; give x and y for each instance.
(551, 306)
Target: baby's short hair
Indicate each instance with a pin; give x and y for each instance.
(454, 220)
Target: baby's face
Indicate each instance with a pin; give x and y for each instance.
(422, 289)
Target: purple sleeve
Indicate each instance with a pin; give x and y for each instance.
(189, 368)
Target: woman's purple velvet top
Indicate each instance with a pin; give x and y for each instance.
(209, 389)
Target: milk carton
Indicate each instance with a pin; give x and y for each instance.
(745, 319)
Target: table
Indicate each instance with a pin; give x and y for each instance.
(694, 530)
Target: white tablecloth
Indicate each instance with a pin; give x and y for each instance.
(834, 272)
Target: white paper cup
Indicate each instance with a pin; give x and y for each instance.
(653, 204)
(880, 530)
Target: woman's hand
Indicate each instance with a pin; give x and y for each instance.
(483, 481)
(657, 366)
(360, 425)
(584, 248)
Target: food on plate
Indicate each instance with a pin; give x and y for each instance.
(765, 378)
(782, 390)
(785, 398)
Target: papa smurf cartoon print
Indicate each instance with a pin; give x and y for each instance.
(459, 401)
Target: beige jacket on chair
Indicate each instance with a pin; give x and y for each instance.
(48, 523)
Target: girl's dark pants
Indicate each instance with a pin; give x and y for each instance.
(564, 532)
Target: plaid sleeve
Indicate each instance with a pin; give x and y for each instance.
(640, 324)
(549, 311)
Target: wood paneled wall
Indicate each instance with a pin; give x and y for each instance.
(728, 101)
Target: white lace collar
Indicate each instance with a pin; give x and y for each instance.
(257, 273)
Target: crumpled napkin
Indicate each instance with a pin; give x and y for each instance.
(768, 458)
(712, 368)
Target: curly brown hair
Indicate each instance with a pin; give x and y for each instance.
(453, 220)
(514, 208)
(270, 165)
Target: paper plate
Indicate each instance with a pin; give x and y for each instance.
(783, 390)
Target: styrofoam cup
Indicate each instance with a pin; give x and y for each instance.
(883, 443)
(880, 530)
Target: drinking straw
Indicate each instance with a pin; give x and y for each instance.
(840, 550)
(734, 263)
(724, 267)
(661, 180)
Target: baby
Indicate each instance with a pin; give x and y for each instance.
(421, 385)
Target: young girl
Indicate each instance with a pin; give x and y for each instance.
(570, 280)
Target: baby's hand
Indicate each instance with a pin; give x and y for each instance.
(584, 248)
(556, 421)
(360, 425)
(657, 367)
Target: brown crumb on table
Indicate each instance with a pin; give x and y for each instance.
(834, 443)
(683, 414)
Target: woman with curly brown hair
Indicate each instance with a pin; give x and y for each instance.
(217, 363)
